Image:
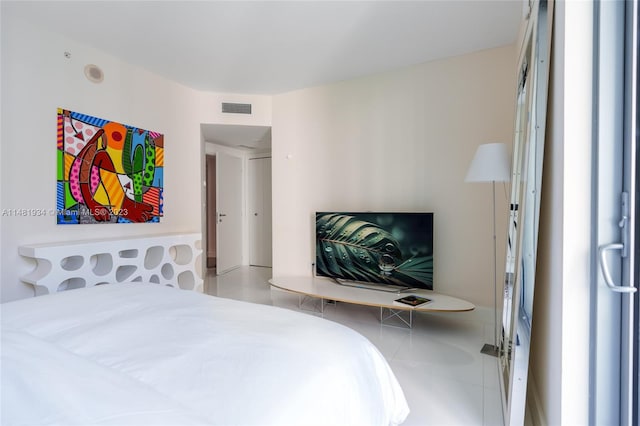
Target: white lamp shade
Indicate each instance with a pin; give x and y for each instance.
(491, 164)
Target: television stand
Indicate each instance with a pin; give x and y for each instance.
(326, 289)
(389, 288)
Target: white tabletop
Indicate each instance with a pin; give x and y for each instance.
(328, 289)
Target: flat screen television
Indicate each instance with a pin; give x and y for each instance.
(389, 250)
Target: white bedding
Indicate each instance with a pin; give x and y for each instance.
(143, 354)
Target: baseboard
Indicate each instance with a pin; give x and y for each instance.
(534, 413)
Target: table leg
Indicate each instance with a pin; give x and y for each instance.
(396, 313)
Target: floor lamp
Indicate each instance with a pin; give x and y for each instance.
(491, 164)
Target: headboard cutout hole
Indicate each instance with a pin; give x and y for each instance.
(72, 283)
(181, 254)
(125, 271)
(101, 263)
(186, 280)
(72, 263)
(129, 254)
(167, 271)
(153, 257)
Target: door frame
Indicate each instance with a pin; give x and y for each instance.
(212, 149)
(245, 155)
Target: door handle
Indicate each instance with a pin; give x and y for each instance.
(602, 250)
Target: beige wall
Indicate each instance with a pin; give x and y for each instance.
(398, 141)
(36, 80)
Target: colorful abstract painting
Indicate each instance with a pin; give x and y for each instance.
(108, 172)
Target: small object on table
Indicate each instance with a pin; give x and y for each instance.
(413, 300)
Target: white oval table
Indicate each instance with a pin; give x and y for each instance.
(327, 289)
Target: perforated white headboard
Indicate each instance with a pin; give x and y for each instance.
(168, 259)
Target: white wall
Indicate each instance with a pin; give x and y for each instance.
(398, 141)
(36, 80)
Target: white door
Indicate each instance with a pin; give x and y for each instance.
(229, 212)
(259, 175)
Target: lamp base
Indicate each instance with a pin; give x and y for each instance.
(488, 349)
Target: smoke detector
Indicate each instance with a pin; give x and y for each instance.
(93, 73)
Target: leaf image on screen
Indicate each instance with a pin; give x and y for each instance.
(388, 248)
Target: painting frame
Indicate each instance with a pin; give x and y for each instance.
(107, 172)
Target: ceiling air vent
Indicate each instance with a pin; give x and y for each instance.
(236, 108)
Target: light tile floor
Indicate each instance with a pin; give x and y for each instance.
(446, 380)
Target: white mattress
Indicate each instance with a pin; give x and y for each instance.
(143, 354)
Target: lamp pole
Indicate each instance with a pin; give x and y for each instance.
(488, 349)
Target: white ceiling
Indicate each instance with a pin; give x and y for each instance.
(270, 47)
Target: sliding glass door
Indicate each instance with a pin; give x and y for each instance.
(630, 347)
(615, 360)
(631, 183)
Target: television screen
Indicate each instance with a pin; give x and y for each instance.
(383, 248)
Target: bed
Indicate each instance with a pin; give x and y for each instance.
(139, 353)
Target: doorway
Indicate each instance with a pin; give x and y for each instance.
(236, 196)
(224, 211)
